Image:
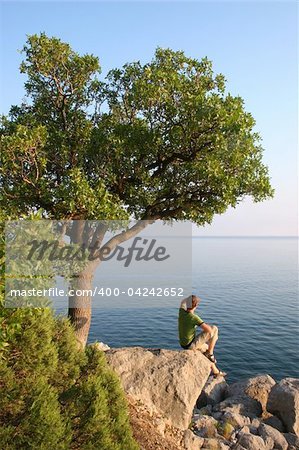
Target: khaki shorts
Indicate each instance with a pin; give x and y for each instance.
(200, 342)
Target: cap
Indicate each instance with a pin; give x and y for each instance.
(189, 302)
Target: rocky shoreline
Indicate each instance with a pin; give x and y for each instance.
(176, 404)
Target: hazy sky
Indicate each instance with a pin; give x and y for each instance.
(252, 43)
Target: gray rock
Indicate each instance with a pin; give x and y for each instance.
(159, 425)
(237, 446)
(206, 426)
(253, 430)
(292, 440)
(256, 388)
(191, 441)
(266, 432)
(247, 397)
(224, 446)
(252, 442)
(283, 401)
(213, 392)
(205, 411)
(235, 419)
(275, 422)
(242, 405)
(101, 346)
(244, 429)
(167, 382)
(255, 422)
(213, 444)
(217, 415)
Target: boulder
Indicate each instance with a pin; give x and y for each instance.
(256, 388)
(248, 397)
(159, 425)
(283, 401)
(267, 432)
(253, 430)
(292, 440)
(241, 405)
(205, 411)
(252, 442)
(235, 419)
(223, 446)
(167, 381)
(213, 392)
(214, 444)
(275, 422)
(101, 346)
(206, 426)
(217, 415)
(255, 422)
(244, 429)
(191, 441)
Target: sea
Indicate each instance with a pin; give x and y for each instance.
(248, 287)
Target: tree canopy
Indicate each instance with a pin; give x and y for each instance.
(162, 140)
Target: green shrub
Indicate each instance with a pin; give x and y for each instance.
(54, 396)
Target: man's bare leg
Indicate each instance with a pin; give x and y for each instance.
(214, 368)
(217, 371)
(213, 340)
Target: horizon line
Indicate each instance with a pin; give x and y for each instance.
(247, 236)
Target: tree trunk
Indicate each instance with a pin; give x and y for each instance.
(80, 304)
(80, 307)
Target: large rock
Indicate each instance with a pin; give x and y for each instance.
(213, 392)
(191, 441)
(101, 346)
(206, 426)
(283, 401)
(275, 422)
(292, 440)
(266, 432)
(256, 388)
(247, 397)
(168, 382)
(252, 442)
(235, 419)
(241, 405)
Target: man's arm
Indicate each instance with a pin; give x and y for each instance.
(206, 328)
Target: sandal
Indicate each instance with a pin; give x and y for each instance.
(211, 357)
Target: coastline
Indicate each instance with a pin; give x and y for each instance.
(175, 395)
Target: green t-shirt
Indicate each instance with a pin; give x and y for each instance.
(187, 326)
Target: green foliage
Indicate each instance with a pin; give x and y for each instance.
(226, 429)
(169, 142)
(54, 396)
(174, 145)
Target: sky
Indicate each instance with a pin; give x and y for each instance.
(254, 44)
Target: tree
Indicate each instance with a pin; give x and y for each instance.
(161, 140)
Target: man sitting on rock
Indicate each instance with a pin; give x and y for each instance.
(206, 340)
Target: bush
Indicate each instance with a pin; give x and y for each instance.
(54, 396)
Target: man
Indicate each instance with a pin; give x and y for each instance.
(205, 341)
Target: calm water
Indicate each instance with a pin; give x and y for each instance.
(249, 289)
